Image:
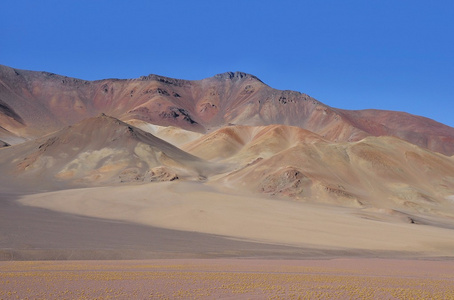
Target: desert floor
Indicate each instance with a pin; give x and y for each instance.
(207, 220)
(228, 279)
(191, 240)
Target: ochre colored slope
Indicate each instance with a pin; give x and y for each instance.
(383, 172)
(244, 143)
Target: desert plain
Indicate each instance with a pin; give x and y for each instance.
(253, 248)
(228, 279)
(218, 188)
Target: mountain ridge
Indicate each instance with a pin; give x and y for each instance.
(44, 102)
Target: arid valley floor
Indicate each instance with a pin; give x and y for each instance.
(228, 279)
(276, 250)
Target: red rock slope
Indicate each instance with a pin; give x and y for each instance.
(35, 103)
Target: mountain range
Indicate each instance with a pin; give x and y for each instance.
(36, 103)
(231, 132)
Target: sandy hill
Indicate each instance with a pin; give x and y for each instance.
(379, 172)
(174, 135)
(100, 150)
(37, 103)
(241, 144)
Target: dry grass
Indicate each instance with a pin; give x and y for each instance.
(238, 279)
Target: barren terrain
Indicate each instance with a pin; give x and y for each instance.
(229, 279)
(224, 167)
(194, 207)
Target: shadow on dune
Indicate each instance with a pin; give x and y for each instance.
(29, 233)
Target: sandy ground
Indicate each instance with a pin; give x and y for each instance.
(31, 233)
(198, 208)
(228, 279)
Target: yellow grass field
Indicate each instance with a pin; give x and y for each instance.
(228, 279)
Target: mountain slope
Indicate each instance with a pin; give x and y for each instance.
(37, 103)
(100, 150)
(376, 172)
(242, 144)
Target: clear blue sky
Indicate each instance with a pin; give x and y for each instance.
(385, 54)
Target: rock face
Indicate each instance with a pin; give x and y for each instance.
(36, 103)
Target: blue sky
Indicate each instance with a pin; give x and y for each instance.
(395, 55)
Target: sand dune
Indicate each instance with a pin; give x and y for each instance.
(196, 207)
(173, 135)
(10, 138)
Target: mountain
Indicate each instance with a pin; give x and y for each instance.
(36, 103)
(226, 155)
(100, 150)
(228, 130)
(375, 172)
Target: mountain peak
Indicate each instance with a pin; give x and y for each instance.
(165, 80)
(235, 75)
